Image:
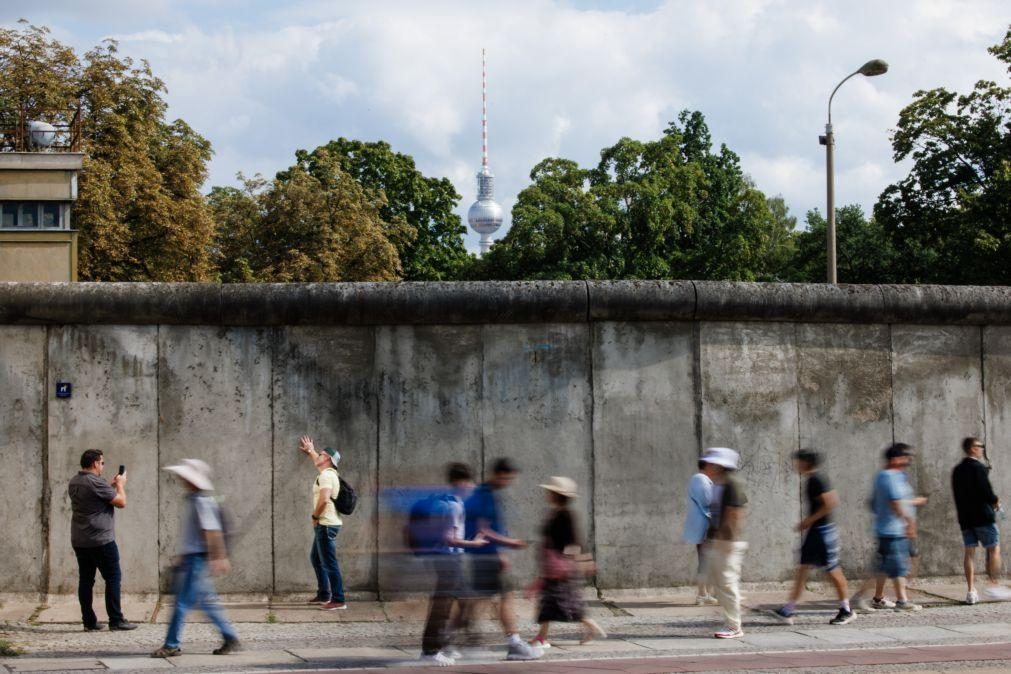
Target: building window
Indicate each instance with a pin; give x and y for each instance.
(31, 215)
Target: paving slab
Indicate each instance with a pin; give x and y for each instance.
(574, 648)
(66, 609)
(928, 633)
(778, 639)
(244, 659)
(848, 635)
(245, 612)
(953, 592)
(645, 608)
(17, 611)
(295, 612)
(982, 629)
(688, 644)
(130, 664)
(50, 664)
(330, 655)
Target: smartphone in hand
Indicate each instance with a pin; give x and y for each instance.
(122, 469)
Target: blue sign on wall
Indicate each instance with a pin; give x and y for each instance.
(64, 389)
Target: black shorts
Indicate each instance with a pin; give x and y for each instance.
(821, 547)
(487, 577)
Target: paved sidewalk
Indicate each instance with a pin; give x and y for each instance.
(648, 633)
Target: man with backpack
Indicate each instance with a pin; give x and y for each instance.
(326, 522)
(435, 529)
(203, 549)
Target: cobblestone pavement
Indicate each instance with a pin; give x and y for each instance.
(646, 632)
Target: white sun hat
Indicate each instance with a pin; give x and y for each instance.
(194, 471)
(722, 456)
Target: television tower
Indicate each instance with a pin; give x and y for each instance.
(485, 214)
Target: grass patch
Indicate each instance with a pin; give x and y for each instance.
(271, 618)
(8, 649)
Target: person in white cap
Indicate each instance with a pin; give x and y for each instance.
(561, 592)
(698, 518)
(202, 549)
(326, 524)
(726, 547)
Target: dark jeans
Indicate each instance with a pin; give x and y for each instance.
(105, 559)
(324, 562)
(448, 589)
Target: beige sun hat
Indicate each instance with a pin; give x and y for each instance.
(561, 485)
(194, 471)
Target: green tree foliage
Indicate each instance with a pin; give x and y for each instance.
(316, 227)
(864, 252)
(950, 218)
(139, 211)
(417, 211)
(670, 208)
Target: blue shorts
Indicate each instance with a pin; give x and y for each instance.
(986, 535)
(821, 547)
(893, 556)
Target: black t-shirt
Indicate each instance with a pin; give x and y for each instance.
(732, 496)
(817, 484)
(560, 531)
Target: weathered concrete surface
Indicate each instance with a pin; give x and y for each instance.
(749, 403)
(997, 382)
(114, 372)
(430, 414)
(641, 300)
(845, 398)
(22, 445)
(644, 428)
(324, 386)
(536, 408)
(937, 400)
(214, 402)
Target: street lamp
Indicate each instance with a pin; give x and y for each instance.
(869, 69)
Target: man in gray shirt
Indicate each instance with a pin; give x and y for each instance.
(93, 538)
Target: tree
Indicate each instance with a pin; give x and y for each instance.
(417, 211)
(950, 218)
(140, 213)
(864, 250)
(669, 208)
(302, 227)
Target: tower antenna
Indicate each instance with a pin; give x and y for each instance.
(485, 215)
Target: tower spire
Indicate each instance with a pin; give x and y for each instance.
(485, 215)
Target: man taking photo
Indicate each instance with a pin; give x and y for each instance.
(93, 501)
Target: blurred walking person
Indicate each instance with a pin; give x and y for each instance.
(440, 534)
(93, 503)
(202, 554)
(326, 524)
(725, 547)
(561, 598)
(698, 520)
(489, 564)
(894, 524)
(977, 506)
(820, 548)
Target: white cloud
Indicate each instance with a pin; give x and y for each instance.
(159, 36)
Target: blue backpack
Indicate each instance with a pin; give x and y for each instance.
(429, 520)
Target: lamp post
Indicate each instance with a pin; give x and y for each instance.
(869, 69)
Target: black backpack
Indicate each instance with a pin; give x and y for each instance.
(346, 499)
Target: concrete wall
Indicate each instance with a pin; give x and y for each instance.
(617, 385)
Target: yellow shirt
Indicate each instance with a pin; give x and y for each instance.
(327, 479)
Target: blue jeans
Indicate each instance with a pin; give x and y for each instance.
(893, 556)
(104, 559)
(194, 590)
(324, 562)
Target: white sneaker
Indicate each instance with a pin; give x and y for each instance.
(882, 604)
(520, 650)
(860, 604)
(907, 606)
(438, 659)
(998, 592)
(729, 633)
(452, 652)
(971, 597)
(706, 600)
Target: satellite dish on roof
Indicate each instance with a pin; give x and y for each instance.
(42, 134)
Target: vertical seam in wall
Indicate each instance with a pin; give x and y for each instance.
(590, 344)
(376, 390)
(697, 383)
(982, 379)
(797, 387)
(891, 379)
(481, 400)
(157, 453)
(275, 340)
(47, 492)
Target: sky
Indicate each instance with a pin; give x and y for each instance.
(566, 78)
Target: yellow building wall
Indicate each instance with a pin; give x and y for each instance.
(36, 185)
(38, 256)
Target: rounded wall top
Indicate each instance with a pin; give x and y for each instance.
(495, 302)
